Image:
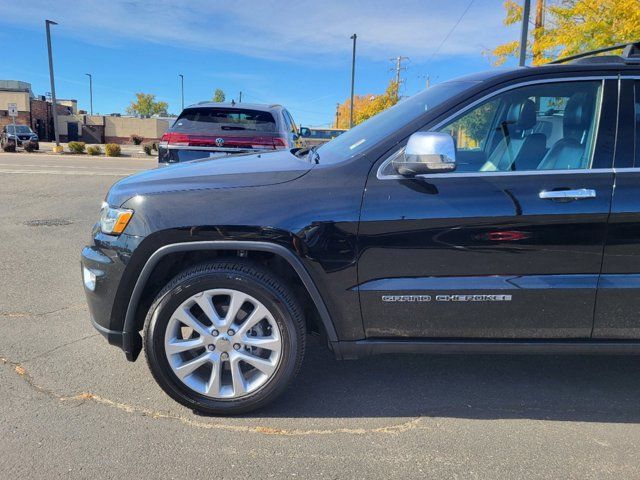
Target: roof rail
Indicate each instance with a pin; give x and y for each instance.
(630, 53)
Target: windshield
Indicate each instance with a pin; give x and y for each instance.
(380, 126)
(18, 128)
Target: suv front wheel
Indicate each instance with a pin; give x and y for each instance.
(224, 337)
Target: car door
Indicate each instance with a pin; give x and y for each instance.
(618, 301)
(510, 244)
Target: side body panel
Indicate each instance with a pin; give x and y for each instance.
(314, 216)
(482, 255)
(617, 313)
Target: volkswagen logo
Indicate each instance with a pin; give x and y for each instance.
(219, 142)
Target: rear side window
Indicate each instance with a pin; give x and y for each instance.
(207, 120)
(290, 124)
(637, 101)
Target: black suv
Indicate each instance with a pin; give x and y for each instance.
(495, 213)
(23, 133)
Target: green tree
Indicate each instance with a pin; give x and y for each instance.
(145, 105)
(219, 96)
(571, 27)
(471, 130)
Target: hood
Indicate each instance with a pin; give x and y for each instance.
(227, 172)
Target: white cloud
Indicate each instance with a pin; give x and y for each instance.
(281, 30)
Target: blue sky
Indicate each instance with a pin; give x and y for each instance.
(294, 53)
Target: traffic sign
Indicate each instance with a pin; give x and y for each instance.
(13, 109)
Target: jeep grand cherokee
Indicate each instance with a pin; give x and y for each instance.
(495, 213)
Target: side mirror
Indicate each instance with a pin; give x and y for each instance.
(427, 152)
(305, 132)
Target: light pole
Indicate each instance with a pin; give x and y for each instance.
(48, 23)
(524, 32)
(353, 76)
(182, 89)
(90, 92)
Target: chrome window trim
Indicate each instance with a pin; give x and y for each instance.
(577, 171)
(581, 171)
(381, 176)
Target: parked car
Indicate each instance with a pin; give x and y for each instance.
(478, 216)
(317, 136)
(211, 129)
(22, 132)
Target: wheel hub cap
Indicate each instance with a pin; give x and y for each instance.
(240, 363)
(223, 344)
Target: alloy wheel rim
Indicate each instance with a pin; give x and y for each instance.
(223, 343)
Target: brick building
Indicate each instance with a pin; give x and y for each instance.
(36, 111)
(33, 111)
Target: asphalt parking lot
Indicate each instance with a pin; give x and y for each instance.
(72, 406)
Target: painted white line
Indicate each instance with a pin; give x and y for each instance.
(59, 172)
(41, 165)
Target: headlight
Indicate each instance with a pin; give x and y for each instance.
(113, 221)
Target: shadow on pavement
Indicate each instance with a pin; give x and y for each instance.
(573, 388)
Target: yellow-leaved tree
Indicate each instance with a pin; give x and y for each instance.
(366, 106)
(568, 27)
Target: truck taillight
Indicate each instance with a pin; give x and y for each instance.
(280, 142)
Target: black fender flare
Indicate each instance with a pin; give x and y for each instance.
(130, 331)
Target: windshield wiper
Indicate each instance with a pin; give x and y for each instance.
(234, 127)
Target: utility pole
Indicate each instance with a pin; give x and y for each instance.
(353, 77)
(398, 68)
(525, 32)
(337, 114)
(48, 23)
(90, 92)
(182, 89)
(240, 97)
(538, 29)
(427, 78)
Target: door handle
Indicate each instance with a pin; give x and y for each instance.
(577, 194)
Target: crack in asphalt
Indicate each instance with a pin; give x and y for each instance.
(22, 372)
(41, 314)
(51, 350)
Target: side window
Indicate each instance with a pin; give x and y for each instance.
(637, 102)
(471, 132)
(291, 126)
(549, 126)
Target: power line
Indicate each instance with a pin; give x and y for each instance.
(444, 40)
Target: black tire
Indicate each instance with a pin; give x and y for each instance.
(240, 275)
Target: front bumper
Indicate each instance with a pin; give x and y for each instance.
(107, 260)
(22, 141)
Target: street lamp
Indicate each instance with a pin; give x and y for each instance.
(353, 76)
(182, 89)
(524, 32)
(48, 23)
(90, 92)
